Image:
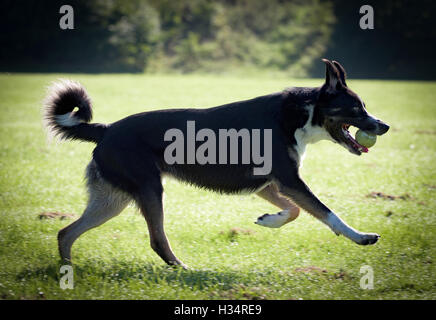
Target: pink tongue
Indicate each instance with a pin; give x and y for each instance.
(358, 145)
(362, 148)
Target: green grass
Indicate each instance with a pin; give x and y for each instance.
(302, 260)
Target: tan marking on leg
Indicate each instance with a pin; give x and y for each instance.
(271, 194)
(105, 202)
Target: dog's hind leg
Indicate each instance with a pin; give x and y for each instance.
(105, 202)
(290, 210)
(150, 202)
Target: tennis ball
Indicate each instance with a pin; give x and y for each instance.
(365, 139)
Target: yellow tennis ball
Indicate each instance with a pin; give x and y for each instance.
(365, 139)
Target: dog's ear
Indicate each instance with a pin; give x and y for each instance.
(332, 77)
(341, 71)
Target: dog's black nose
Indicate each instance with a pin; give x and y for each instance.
(384, 127)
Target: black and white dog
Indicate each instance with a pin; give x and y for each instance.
(128, 162)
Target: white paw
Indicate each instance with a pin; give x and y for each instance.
(274, 220)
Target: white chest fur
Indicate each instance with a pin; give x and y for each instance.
(309, 134)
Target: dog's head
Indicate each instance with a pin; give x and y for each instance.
(338, 108)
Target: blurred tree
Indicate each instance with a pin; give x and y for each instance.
(215, 36)
(399, 47)
(116, 35)
(109, 36)
(133, 31)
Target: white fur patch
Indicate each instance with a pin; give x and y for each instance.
(309, 134)
(338, 226)
(274, 220)
(67, 120)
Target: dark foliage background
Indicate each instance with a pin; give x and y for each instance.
(217, 36)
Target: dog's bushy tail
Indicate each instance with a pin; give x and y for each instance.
(61, 118)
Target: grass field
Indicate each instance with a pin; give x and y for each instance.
(230, 257)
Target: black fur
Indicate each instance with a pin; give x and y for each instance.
(342, 73)
(129, 152)
(142, 144)
(64, 96)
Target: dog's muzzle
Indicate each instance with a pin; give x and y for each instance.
(374, 126)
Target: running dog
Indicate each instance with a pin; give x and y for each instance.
(128, 163)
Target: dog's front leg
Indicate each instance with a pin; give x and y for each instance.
(292, 186)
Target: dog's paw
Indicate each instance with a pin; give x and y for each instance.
(368, 238)
(178, 264)
(274, 220)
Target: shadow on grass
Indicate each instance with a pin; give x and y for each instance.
(158, 273)
(123, 271)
